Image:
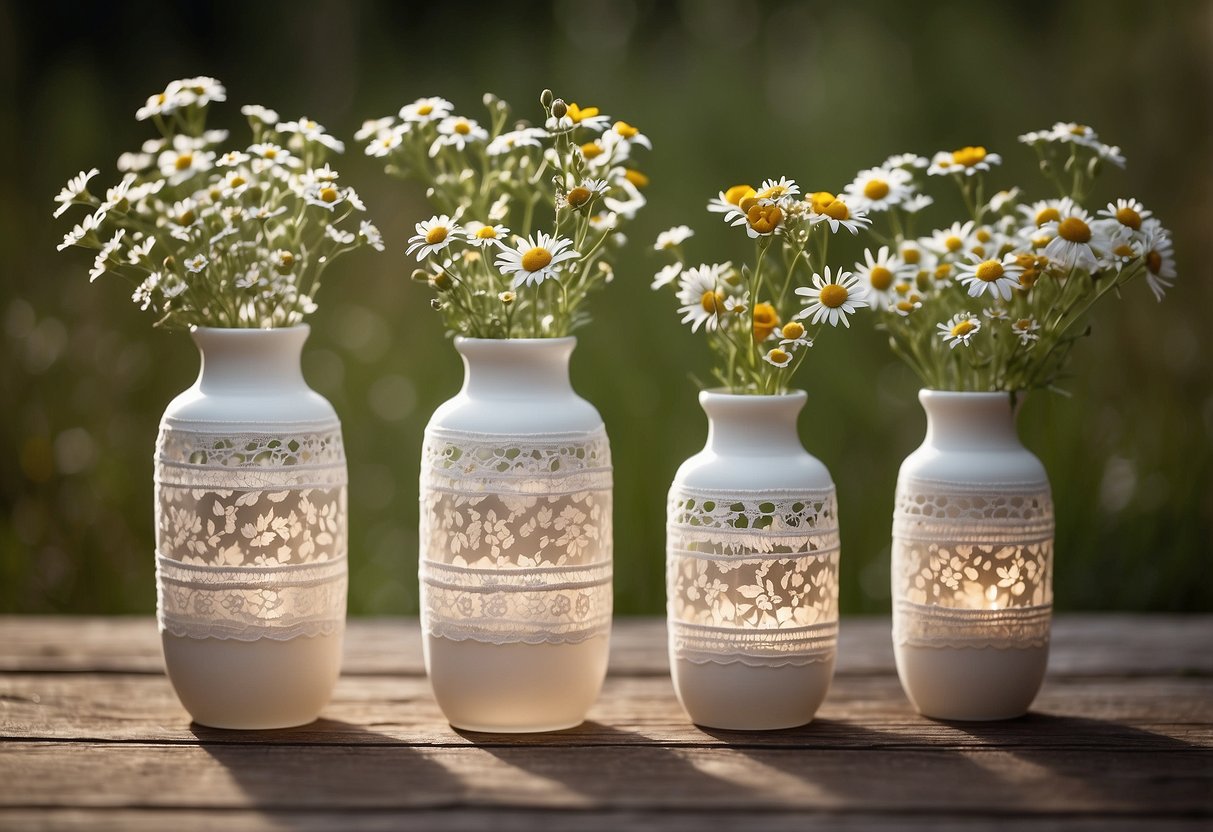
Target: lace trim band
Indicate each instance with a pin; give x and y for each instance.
(759, 648)
(920, 625)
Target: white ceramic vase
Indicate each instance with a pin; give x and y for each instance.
(972, 562)
(752, 569)
(515, 542)
(251, 535)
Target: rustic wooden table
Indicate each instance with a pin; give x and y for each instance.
(91, 736)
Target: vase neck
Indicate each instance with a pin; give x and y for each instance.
(262, 360)
(970, 421)
(516, 368)
(742, 425)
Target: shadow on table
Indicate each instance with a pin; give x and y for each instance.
(326, 762)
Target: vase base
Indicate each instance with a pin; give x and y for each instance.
(971, 684)
(253, 685)
(515, 688)
(741, 697)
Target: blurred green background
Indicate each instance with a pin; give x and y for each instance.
(729, 92)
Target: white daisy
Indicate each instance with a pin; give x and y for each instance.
(536, 259)
(777, 190)
(311, 131)
(183, 162)
(425, 110)
(630, 134)
(1026, 329)
(1110, 153)
(326, 195)
(582, 194)
(1124, 217)
(792, 336)
(778, 357)
(1070, 246)
(370, 235)
(1160, 258)
(959, 329)
(433, 235)
(485, 236)
(632, 202)
(202, 90)
(879, 273)
(878, 189)
(604, 222)
(998, 277)
(196, 264)
(1035, 137)
(667, 275)
(837, 215)
(374, 128)
(832, 298)
(457, 132)
(1072, 132)
(954, 240)
(1044, 211)
(917, 202)
(727, 201)
(907, 304)
(102, 262)
(704, 294)
(135, 162)
(83, 234)
(1002, 199)
(258, 113)
(268, 154)
(966, 160)
(575, 116)
(906, 161)
(75, 189)
(514, 139)
(673, 237)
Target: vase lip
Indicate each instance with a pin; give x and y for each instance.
(971, 395)
(721, 394)
(522, 343)
(248, 331)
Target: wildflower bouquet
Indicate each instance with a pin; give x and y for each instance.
(995, 302)
(497, 273)
(761, 318)
(211, 238)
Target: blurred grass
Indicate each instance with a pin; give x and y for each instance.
(728, 91)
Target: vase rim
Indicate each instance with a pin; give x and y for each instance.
(929, 393)
(243, 331)
(467, 339)
(723, 393)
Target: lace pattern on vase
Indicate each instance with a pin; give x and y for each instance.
(972, 566)
(251, 533)
(752, 576)
(515, 537)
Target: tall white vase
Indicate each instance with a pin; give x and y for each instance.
(515, 560)
(972, 562)
(251, 535)
(752, 569)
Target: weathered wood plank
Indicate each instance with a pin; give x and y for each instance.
(861, 712)
(1176, 784)
(528, 820)
(1083, 644)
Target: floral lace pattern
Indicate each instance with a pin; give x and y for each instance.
(972, 567)
(516, 537)
(251, 533)
(752, 576)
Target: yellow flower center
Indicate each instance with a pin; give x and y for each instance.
(579, 196)
(1079, 130)
(506, 297)
(1128, 217)
(833, 295)
(463, 128)
(765, 315)
(905, 306)
(161, 98)
(436, 234)
(963, 328)
(876, 189)
(329, 194)
(764, 218)
(270, 153)
(425, 109)
(902, 288)
(773, 192)
(1023, 324)
(486, 232)
(576, 114)
(1123, 250)
(186, 218)
(636, 178)
(943, 271)
(1074, 230)
(184, 161)
(712, 302)
(778, 356)
(969, 156)
(984, 236)
(1028, 278)
(990, 270)
(1047, 215)
(911, 255)
(1154, 262)
(980, 251)
(793, 330)
(836, 210)
(237, 180)
(1025, 261)
(735, 194)
(953, 243)
(626, 130)
(590, 150)
(819, 200)
(536, 259)
(880, 278)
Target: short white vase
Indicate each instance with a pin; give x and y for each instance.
(972, 563)
(515, 542)
(251, 535)
(752, 569)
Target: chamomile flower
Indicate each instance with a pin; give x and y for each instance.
(1110, 153)
(201, 90)
(967, 161)
(267, 154)
(485, 236)
(1070, 246)
(878, 189)
(514, 139)
(998, 277)
(879, 273)
(728, 200)
(425, 110)
(312, 132)
(231, 159)
(369, 234)
(184, 161)
(457, 132)
(256, 112)
(196, 264)
(325, 194)
(760, 220)
(703, 293)
(778, 357)
(792, 336)
(1160, 258)
(906, 161)
(667, 275)
(954, 240)
(83, 234)
(959, 329)
(917, 202)
(777, 190)
(582, 194)
(104, 257)
(374, 128)
(1042, 212)
(907, 304)
(630, 134)
(576, 116)
(433, 235)
(536, 259)
(836, 214)
(673, 237)
(604, 221)
(832, 298)
(1002, 200)
(1027, 329)
(1072, 132)
(633, 200)
(384, 143)
(76, 190)
(1124, 217)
